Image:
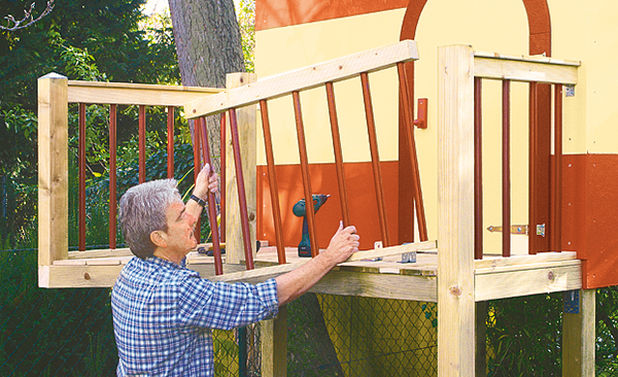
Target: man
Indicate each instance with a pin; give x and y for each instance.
(163, 313)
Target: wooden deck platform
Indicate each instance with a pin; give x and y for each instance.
(495, 276)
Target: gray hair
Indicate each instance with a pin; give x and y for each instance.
(142, 211)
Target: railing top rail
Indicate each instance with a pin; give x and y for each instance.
(525, 68)
(304, 78)
(121, 93)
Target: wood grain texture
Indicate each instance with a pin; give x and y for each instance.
(527, 282)
(135, 94)
(578, 338)
(456, 303)
(305, 78)
(246, 118)
(273, 343)
(518, 70)
(53, 195)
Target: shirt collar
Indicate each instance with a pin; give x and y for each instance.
(165, 263)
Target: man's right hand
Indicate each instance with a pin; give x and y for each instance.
(344, 243)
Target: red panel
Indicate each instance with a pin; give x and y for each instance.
(361, 196)
(278, 13)
(589, 207)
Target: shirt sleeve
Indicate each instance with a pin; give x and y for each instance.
(203, 303)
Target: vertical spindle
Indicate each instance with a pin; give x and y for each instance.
(112, 177)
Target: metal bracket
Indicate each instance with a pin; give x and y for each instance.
(409, 257)
(569, 90)
(515, 229)
(571, 302)
(540, 230)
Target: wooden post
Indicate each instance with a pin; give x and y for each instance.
(53, 168)
(274, 345)
(246, 117)
(481, 341)
(578, 337)
(456, 304)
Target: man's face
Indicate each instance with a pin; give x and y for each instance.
(180, 225)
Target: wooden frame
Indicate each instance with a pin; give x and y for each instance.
(451, 277)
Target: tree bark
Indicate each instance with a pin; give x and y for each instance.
(208, 45)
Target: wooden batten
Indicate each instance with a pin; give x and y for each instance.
(246, 118)
(53, 201)
(456, 303)
(135, 94)
(305, 78)
(519, 69)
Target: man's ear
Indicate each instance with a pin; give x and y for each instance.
(159, 238)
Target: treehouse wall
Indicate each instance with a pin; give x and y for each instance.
(292, 34)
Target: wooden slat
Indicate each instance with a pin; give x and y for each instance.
(53, 163)
(525, 267)
(578, 337)
(528, 71)
(104, 253)
(526, 58)
(456, 211)
(305, 78)
(134, 94)
(527, 282)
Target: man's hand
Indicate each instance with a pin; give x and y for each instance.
(344, 243)
(207, 180)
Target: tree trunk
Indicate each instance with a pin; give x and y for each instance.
(208, 46)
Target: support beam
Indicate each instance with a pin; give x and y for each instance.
(53, 168)
(578, 337)
(246, 118)
(274, 343)
(480, 347)
(456, 305)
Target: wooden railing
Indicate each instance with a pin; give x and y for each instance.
(292, 84)
(55, 95)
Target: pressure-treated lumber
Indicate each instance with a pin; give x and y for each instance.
(135, 94)
(456, 304)
(518, 70)
(273, 344)
(246, 118)
(578, 338)
(121, 252)
(53, 160)
(528, 282)
(272, 271)
(305, 78)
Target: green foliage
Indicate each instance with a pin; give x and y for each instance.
(246, 23)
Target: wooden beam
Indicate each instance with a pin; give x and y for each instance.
(246, 118)
(135, 94)
(518, 70)
(456, 212)
(526, 58)
(53, 129)
(305, 78)
(515, 260)
(261, 274)
(273, 344)
(527, 282)
(578, 338)
(120, 252)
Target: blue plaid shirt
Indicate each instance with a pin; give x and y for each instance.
(163, 315)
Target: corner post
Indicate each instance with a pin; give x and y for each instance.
(578, 337)
(274, 344)
(53, 160)
(246, 117)
(456, 302)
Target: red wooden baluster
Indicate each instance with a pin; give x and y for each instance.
(212, 203)
(557, 197)
(222, 146)
(532, 248)
(375, 158)
(112, 177)
(478, 170)
(334, 125)
(304, 168)
(142, 144)
(82, 178)
(170, 142)
(272, 182)
(196, 171)
(416, 179)
(506, 170)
